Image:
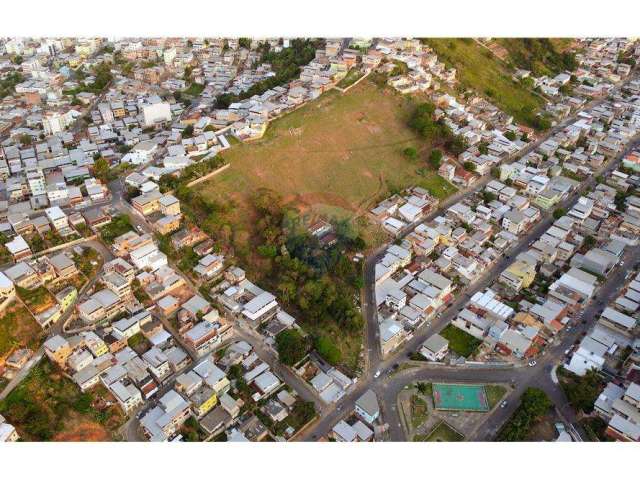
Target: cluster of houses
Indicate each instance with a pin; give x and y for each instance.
(400, 210)
(537, 294)
(421, 63)
(48, 271)
(612, 348)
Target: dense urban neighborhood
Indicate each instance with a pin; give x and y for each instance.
(319, 239)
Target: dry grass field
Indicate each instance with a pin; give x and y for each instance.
(335, 156)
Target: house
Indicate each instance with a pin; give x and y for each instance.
(260, 308)
(213, 376)
(209, 265)
(435, 348)
(7, 288)
(203, 399)
(58, 350)
(8, 432)
(22, 275)
(520, 274)
(187, 237)
(573, 287)
(163, 421)
(101, 306)
(514, 222)
(18, 248)
(63, 266)
(367, 407)
(57, 217)
(126, 394)
(589, 355)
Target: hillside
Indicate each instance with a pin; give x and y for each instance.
(542, 56)
(481, 70)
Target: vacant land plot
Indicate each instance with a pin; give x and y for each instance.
(470, 398)
(479, 69)
(460, 341)
(48, 406)
(37, 300)
(341, 151)
(18, 329)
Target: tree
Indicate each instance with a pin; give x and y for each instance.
(495, 172)
(620, 201)
(510, 135)
(469, 166)
(101, 169)
(291, 346)
(559, 212)
(533, 404)
(410, 152)
(25, 139)
(435, 158)
(488, 196)
(187, 132)
(244, 42)
(483, 148)
(589, 241)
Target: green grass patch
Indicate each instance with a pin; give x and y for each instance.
(350, 78)
(194, 89)
(460, 341)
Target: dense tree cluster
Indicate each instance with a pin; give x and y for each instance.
(436, 131)
(582, 392)
(320, 283)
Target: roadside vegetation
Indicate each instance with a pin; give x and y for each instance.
(582, 392)
(533, 405)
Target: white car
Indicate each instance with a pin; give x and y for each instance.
(532, 363)
(503, 404)
(377, 374)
